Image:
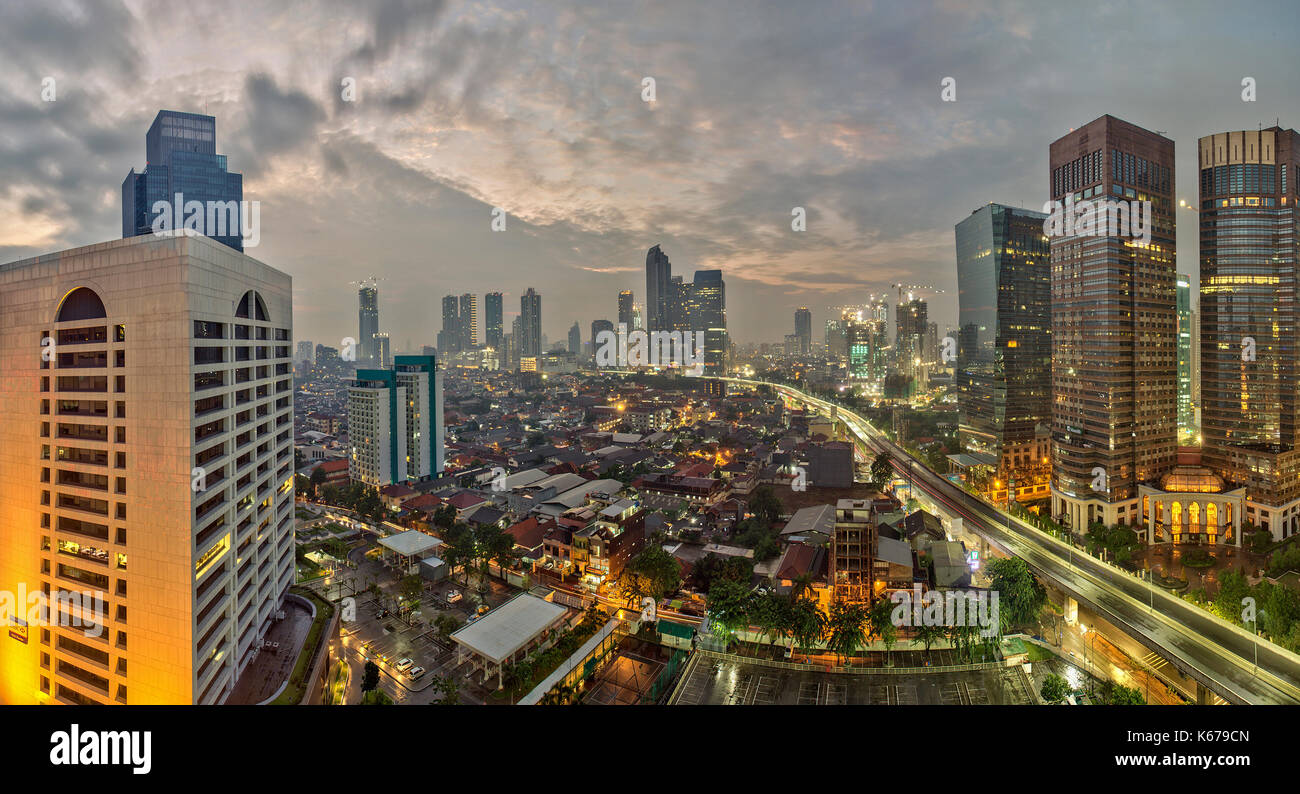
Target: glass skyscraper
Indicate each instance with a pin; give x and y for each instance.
(1186, 408)
(1004, 367)
(1114, 327)
(709, 314)
(530, 327)
(368, 324)
(182, 160)
(1250, 410)
(492, 320)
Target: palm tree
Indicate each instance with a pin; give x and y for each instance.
(802, 585)
(846, 629)
(807, 624)
(928, 635)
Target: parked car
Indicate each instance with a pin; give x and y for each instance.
(453, 596)
(415, 673)
(404, 664)
(483, 608)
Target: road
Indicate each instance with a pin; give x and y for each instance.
(1218, 654)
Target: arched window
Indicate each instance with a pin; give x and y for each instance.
(80, 304)
(252, 307)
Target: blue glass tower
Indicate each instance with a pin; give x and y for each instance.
(181, 158)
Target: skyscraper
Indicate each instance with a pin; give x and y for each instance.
(377, 428)
(492, 320)
(626, 306)
(596, 327)
(680, 312)
(709, 314)
(658, 289)
(1250, 412)
(911, 324)
(1186, 408)
(1004, 359)
(425, 443)
(803, 329)
(383, 353)
(181, 160)
(137, 474)
(450, 338)
(1114, 326)
(530, 323)
(575, 338)
(368, 324)
(468, 321)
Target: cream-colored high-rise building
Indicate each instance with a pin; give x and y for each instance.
(146, 455)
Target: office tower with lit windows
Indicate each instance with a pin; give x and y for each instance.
(383, 355)
(597, 326)
(1004, 355)
(836, 339)
(1250, 410)
(709, 314)
(181, 160)
(368, 324)
(450, 337)
(468, 321)
(1114, 326)
(626, 306)
(377, 413)
(803, 329)
(148, 458)
(530, 323)
(492, 320)
(1187, 431)
(658, 290)
(421, 382)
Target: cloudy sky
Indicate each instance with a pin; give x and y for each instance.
(537, 108)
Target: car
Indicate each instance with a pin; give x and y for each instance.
(404, 664)
(415, 673)
(453, 596)
(483, 608)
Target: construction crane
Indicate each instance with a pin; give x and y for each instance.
(367, 282)
(914, 288)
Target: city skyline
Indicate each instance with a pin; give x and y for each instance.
(416, 157)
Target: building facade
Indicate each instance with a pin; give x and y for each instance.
(146, 469)
(1249, 344)
(182, 161)
(1004, 355)
(1114, 322)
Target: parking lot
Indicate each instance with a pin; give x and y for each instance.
(712, 681)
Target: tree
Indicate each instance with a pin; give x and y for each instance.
(448, 687)
(411, 587)
(1113, 694)
(807, 623)
(882, 625)
(729, 605)
(764, 505)
(846, 628)
(370, 679)
(653, 572)
(1021, 596)
(928, 635)
(882, 471)
(1055, 689)
(317, 479)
